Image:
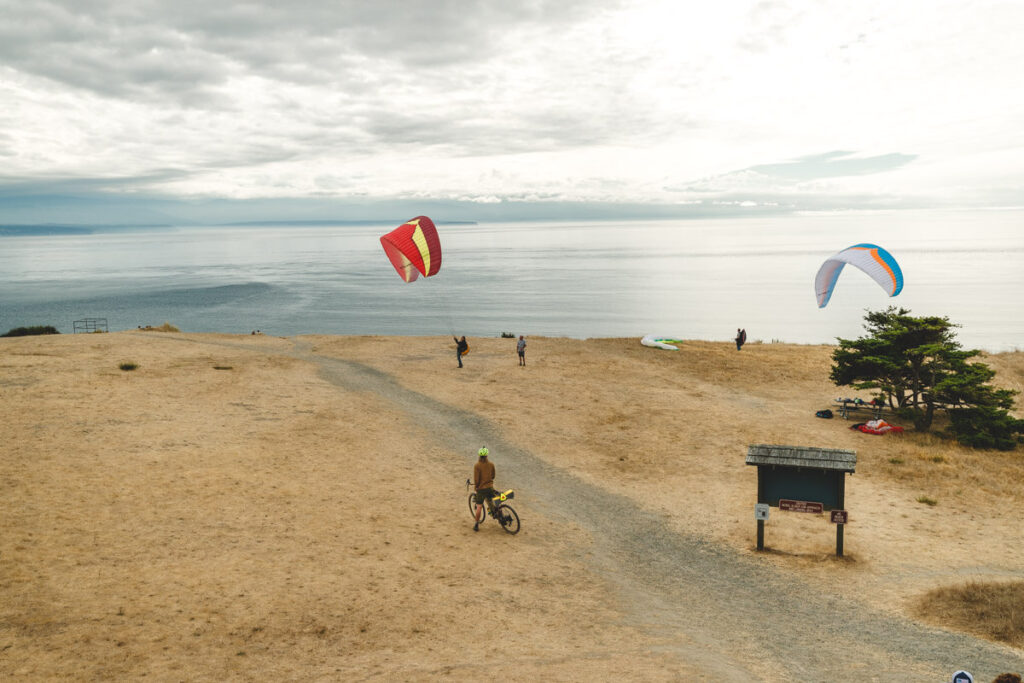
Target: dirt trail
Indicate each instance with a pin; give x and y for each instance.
(728, 614)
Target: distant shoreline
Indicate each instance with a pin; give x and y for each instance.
(64, 229)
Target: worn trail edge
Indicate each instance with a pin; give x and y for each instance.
(737, 618)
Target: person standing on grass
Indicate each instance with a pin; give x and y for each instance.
(521, 350)
(461, 347)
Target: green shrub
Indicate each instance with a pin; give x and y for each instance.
(986, 427)
(30, 331)
(128, 366)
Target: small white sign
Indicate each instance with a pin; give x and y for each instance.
(761, 511)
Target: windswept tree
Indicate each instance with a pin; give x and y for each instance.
(917, 367)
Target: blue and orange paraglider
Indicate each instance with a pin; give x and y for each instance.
(414, 248)
(871, 258)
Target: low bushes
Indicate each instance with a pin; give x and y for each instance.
(29, 331)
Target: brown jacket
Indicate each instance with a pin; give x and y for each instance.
(483, 474)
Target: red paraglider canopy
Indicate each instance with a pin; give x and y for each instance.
(414, 248)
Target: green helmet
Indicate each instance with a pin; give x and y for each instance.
(483, 452)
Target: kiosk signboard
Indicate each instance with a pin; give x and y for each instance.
(802, 479)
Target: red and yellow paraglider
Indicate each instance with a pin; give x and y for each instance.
(414, 248)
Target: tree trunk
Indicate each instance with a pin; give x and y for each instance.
(923, 418)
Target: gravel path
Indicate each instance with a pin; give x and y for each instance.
(735, 617)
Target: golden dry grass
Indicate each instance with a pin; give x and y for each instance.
(166, 327)
(990, 610)
(180, 522)
(671, 428)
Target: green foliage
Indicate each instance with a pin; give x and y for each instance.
(128, 366)
(917, 367)
(30, 331)
(986, 427)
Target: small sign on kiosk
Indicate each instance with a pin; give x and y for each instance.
(801, 506)
(802, 479)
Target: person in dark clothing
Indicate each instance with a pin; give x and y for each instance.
(741, 337)
(461, 347)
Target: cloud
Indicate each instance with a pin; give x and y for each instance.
(563, 101)
(181, 51)
(833, 165)
(803, 175)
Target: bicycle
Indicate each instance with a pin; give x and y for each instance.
(500, 510)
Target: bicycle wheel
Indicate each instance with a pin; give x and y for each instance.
(472, 508)
(508, 518)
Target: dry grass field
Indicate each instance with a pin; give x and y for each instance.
(227, 511)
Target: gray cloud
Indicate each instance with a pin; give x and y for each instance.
(179, 50)
(417, 73)
(562, 99)
(785, 177)
(17, 189)
(833, 165)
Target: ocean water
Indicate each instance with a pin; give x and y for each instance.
(694, 279)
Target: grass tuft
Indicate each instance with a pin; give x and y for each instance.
(990, 610)
(931, 502)
(166, 327)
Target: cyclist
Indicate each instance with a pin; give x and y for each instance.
(483, 483)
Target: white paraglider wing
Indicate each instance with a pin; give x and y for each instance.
(871, 258)
(657, 342)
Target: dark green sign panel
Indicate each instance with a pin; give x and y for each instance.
(799, 483)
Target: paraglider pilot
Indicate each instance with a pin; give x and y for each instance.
(461, 348)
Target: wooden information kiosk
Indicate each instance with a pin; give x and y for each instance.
(801, 479)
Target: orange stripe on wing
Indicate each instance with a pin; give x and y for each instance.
(880, 261)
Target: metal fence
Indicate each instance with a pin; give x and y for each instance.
(90, 325)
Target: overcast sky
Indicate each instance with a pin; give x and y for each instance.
(506, 104)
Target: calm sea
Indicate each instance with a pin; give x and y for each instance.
(694, 279)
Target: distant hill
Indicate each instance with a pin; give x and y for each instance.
(16, 230)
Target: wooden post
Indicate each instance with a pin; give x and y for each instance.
(842, 506)
(760, 499)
